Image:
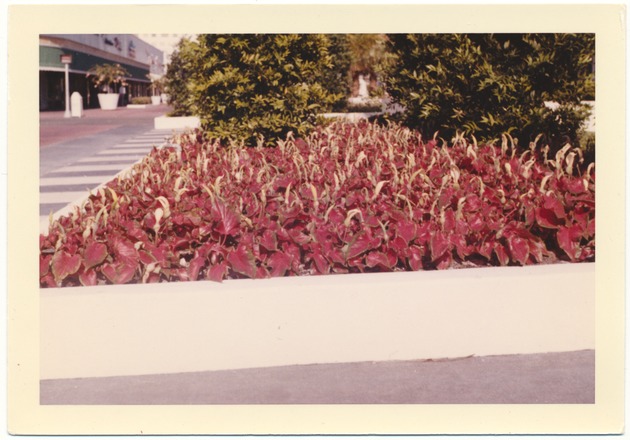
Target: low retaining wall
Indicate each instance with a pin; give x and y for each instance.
(202, 326)
(349, 117)
(176, 122)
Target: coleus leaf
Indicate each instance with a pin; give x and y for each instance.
(415, 259)
(294, 252)
(48, 280)
(486, 248)
(228, 219)
(88, 278)
(406, 230)
(476, 223)
(567, 242)
(64, 265)
(458, 241)
(399, 245)
(361, 243)
(217, 272)
(553, 204)
(449, 220)
(378, 259)
(119, 273)
(298, 236)
(242, 261)
(154, 253)
(94, 254)
(320, 261)
(439, 245)
(44, 264)
(124, 249)
(519, 249)
(576, 185)
(537, 249)
(268, 240)
(280, 263)
(195, 265)
(444, 262)
(333, 253)
(547, 218)
(501, 253)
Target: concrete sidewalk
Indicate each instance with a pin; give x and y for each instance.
(551, 378)
(79, 154)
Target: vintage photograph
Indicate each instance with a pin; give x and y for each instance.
(391, 218)
(320, 154)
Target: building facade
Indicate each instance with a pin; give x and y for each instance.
(167, 43)
(138, 57)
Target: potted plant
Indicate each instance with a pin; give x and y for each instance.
(108, 78)
(157, 85)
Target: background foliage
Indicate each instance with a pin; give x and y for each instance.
(254, 86)
(490, 84)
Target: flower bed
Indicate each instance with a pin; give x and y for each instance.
(349, 198)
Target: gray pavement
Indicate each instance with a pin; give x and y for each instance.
(80, 154)
(550, 378)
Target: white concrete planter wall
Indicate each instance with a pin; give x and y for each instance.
(202, 326)
(349, 117)
(136, 106)
(176, 122)
(108, 101)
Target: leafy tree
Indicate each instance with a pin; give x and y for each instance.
(108, 77)
(368, 56)
(338, 79)
(491, 84)
(249, 87)
(178, 76)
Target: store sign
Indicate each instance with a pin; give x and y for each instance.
(115, 42)
(131, 49)
(66, 58)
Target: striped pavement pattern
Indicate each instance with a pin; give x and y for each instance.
(71, 185)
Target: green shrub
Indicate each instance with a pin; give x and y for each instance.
(337, 80)
(178, 76)
(140, 100)
(253, 86)
(491, 84)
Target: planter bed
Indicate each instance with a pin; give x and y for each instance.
(184, 327)
(349, 199)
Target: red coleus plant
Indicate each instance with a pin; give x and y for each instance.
(349, 198)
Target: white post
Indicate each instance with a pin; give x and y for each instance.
(66, 60)
(67, 113)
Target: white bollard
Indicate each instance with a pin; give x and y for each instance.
(76, 103)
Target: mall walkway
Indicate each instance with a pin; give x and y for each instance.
(549, 378)
(80, 154)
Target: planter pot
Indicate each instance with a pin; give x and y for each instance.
(140, 329)
(108, 101)
(155, 100)
(164, 97)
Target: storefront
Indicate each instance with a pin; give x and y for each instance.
(136, 56)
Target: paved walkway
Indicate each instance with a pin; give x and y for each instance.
(79, 154)
(551, 378)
